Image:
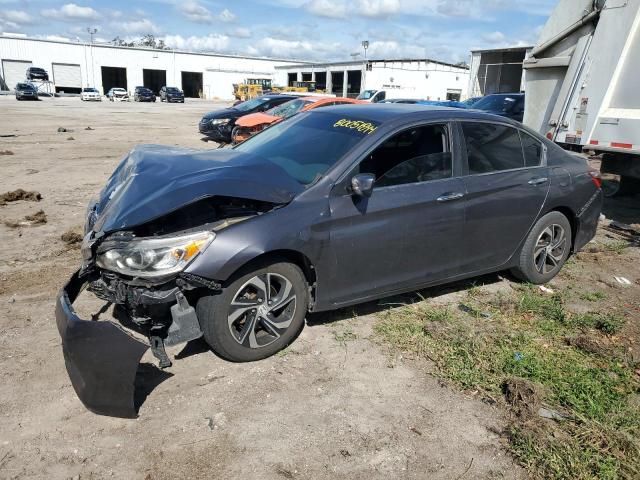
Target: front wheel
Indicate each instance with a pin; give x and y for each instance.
(258, 314)
(546, 249)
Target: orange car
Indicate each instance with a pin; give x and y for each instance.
(249, 125)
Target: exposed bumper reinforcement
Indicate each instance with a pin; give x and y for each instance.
(101, 358)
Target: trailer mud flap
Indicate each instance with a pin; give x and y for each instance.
(101, 358)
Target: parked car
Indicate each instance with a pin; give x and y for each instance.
(442, 103)
(509, 105)
(90, 94)
(469, 102)
(37, 73)
(143, 94)
(26, 91)
(171, 94)
(218, 125)
(117, 94)
(408, 101)
(334, 207)
(249, 125)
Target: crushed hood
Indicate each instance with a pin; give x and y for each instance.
(154, 180)
(256, 119)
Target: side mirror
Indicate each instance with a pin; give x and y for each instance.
(362, 184)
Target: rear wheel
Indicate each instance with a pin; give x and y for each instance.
(546, 249)
(257, 314)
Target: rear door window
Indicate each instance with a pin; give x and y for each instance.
(492, 148)
(532, 149)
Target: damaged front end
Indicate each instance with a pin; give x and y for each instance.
(156, 215)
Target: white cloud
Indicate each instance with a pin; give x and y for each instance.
(195, 12)
(71, 12)
(494, 37)
(16, 17)
(210, 43)
(226, 16)
(240, 32)
(327, 8)
(378, 8)
(144, 26)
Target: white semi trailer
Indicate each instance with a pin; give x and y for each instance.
(583, 83)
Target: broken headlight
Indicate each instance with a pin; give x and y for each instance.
(152, 257)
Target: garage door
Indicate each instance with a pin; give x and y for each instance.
(66, 75)
(14, 71)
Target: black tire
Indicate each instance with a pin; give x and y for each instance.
(537, 266)
(215, 311)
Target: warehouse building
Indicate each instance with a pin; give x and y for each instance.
(72, 66)
(425, 78)
(497, 71)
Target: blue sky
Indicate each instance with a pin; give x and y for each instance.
(304, 29)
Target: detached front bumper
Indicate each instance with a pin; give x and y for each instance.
(100, 357)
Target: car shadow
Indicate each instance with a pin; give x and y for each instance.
(148, 377)
(624, 209)
(395, 301)
(199, 346)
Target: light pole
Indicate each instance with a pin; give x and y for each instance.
(91, 32)
(365, 46)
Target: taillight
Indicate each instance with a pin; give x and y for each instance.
(596, 178)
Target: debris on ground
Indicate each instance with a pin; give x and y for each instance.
(63, 130)
(522, 395)
(6, 152)
(71, 237)
(552, 414)
(546, 290)
(88, 128)
(20, 194)
(587, 343)
(38, 218)
(32, 171)
(70, 138)
(622, 281)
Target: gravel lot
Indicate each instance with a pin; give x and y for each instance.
(336, 404)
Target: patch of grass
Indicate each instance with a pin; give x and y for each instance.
(525, 337)
(593, 296)
(345, 335)
(615, 247)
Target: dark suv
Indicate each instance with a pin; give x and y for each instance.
(37, 73)
(171, 94)
(509, 105)
(219, 124)
(26, 91)
(143, 94)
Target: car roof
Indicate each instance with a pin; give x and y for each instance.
(389, 112)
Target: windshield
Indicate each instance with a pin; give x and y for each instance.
(90, 90)
(172, 90)
(288, 109)
(496, 103)
(367, 94)
(251, 104)
(310, 144)
(25, 86)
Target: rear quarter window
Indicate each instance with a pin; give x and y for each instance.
(532, 149)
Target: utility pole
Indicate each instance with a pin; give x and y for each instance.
(91, 32)
(365, 46)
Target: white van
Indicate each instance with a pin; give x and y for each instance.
(377, 96)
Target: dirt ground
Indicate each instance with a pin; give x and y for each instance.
(336, 404)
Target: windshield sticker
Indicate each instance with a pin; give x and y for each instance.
(363, 127)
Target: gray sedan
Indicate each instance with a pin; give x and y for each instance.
(330, 208)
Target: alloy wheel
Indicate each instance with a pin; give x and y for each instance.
(262, 310)
(550, 249)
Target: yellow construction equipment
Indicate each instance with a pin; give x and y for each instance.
(251, 88)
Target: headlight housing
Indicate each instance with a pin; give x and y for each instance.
(152, 257)
(220, 121)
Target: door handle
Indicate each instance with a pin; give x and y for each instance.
(538, 181)
(450, 197)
